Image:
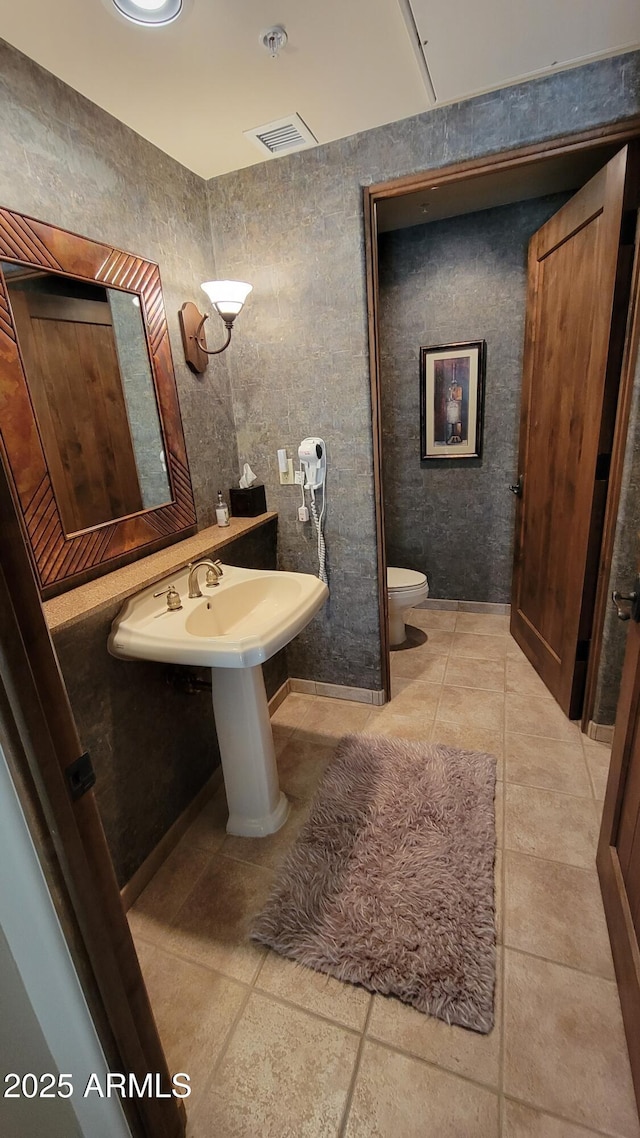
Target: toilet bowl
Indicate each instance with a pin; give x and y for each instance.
(405, 589)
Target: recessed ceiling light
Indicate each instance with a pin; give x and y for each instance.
(151, 13)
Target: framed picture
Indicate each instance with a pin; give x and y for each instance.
(451, 397)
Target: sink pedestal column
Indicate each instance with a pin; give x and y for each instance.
(256, 804)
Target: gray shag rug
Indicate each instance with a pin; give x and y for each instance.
(390, 882)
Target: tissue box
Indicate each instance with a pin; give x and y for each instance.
(248, 503)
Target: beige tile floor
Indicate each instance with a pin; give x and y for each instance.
(278, 1051)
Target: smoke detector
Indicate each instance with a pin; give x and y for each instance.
(273, 40)
(282, 136)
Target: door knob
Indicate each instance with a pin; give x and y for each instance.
(517, 487)
(626, 614)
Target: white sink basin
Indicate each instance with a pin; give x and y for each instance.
(239, 623)
(232, 629)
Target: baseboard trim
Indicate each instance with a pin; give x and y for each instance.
(150, 866)
(279, 697)
(601, 732)
(337, 691)
(466, 606)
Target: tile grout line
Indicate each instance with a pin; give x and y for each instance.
(254, 985)
(553, 860)
(559, 1117)
(288, 1003)
(547, 738)
(186, 959)
(223, 1051)
(549, 789)
(355, 1073)
(598, 801)
(491, 1088)
(559, 964)
(431, 735)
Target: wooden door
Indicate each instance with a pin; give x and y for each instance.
(579, 279)
(619, 845)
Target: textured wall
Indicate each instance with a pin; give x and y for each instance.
(294, 227)
(67, 162)
(140, 399)
(153, 746)
(624, 567)
(298, 364)
(464, 278)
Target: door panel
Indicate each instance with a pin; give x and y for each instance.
(578, 292)
(619, 846)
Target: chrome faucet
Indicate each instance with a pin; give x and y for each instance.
(214, 572)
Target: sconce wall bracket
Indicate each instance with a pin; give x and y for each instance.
(191, 321)
(196, 352)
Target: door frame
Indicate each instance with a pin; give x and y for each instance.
(567, 144)
(620, 921)
(40, 741)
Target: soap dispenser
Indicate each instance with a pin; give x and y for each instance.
(222, 511)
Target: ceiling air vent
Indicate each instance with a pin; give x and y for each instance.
(282, 136)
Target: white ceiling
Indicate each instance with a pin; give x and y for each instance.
(193, 87)
(478, 45)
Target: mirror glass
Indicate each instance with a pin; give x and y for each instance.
(87, 366)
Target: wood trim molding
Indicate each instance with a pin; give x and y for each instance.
(45, 742)
(622, 934)
(621, 429)
(61, 560)
(620, 132)
(624, 947)
(609, 134)
(371, 254)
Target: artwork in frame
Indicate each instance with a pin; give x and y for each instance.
(451, 398)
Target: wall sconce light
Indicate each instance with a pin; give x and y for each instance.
(227, 297)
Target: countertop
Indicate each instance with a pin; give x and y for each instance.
(86, 600)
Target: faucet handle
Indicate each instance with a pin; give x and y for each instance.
(214, 572)
(173, 598)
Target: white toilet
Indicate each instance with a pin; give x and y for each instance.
(405, 589)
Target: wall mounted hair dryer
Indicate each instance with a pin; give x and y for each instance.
(313, 460)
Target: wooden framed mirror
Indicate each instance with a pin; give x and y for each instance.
(90, 425)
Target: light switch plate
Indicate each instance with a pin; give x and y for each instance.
(287, 479)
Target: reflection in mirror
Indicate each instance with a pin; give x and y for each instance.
(89, 375)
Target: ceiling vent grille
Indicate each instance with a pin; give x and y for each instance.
(282, 136)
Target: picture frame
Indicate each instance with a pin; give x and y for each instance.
(452, 380)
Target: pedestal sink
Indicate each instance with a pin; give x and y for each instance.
(233, 628)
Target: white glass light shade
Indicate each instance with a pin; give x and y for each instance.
(227, 297)
(152, 13)
(148, 5)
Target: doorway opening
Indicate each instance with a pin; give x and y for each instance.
(447, 259)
